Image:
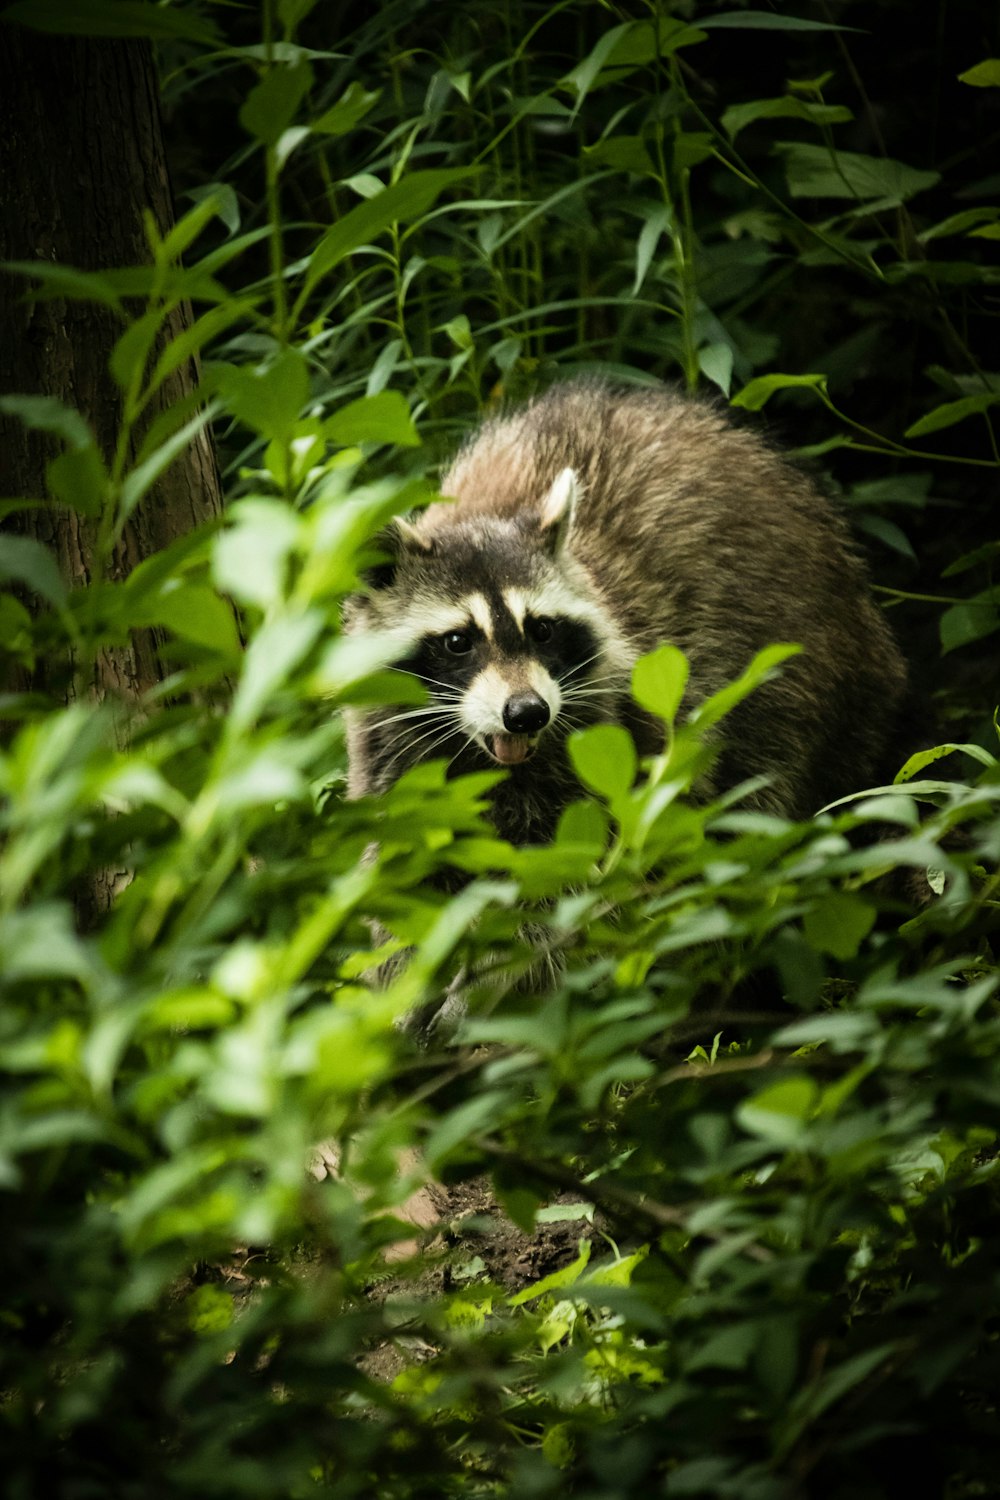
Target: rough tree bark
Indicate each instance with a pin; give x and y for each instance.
(81, 157)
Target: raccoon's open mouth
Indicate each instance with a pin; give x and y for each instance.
(510, 749)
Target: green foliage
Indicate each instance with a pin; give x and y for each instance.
(739, 1088)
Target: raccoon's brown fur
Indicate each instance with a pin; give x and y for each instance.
(598, 522)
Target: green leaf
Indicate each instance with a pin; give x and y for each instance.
(120, 18)
(953, 411)
(274, 653)
(779, 1112)
(145, 474)
(816, 172)
(272, 103)
(765, 20)
(838, 924)
(196, 613)
(763, 666)
(756, 393)
(351, 107)
(924, 758)
(659, 680)
(28, 562)
(738, 116)
(382, 418)
(130, 353)
(985, 74)
(604, 758)
(407, 199)
(557, 1280)
(249, 558)
(655, 226)
(47, 414)
(223, 195)
(64, 281)
(715, 361)
(960, 223)
(977, 618)
(265, 398)
(77, 477)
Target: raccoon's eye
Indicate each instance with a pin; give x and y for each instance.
(458, 642)
(539, 630)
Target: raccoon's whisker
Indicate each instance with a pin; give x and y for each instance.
(592, 689)
(449, 687)
(578, 666)
(429, 710)
(411, 745)
(470, 741)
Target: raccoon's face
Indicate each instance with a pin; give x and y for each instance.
(504, 630)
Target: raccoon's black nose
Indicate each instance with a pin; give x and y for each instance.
(525, 713)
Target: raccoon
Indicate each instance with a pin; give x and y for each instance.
(585, 529)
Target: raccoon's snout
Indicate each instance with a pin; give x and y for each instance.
(525, 713)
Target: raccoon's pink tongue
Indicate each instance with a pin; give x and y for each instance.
(511, 749)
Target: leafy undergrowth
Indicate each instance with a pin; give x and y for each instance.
(704, 1179)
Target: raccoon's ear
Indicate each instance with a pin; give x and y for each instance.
(395, 540)
(556, 516)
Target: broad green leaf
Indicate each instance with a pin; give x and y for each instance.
(715, 362)
(407, 199)
(47, 414)
(218, 202)
(815, 172)
(655, 226)
(756, 393)
(838, 924)
(604, 758)
(557, 1280)
(960, 223)
(659, 680)
(382, 418)
(129, 356)
(223, 195)
(192, 340)
(952, 412)
(924, 758)
(625, 153)
(765, 20)
(196, 613)
(250, 558)
(275, 652)
(738, 116)
(77, 477)
(265, 398)
(456, 1128)
(977, 618)
(26, 561)
(121, 18)
(985, 74)
(779, 1112)
(272, 103)
(351, 107)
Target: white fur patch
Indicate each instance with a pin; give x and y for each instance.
(557, 507)
(427, 617)
(516, 601)
(480, 611)
(482, 705)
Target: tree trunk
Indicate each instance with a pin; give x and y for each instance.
(81, 158)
